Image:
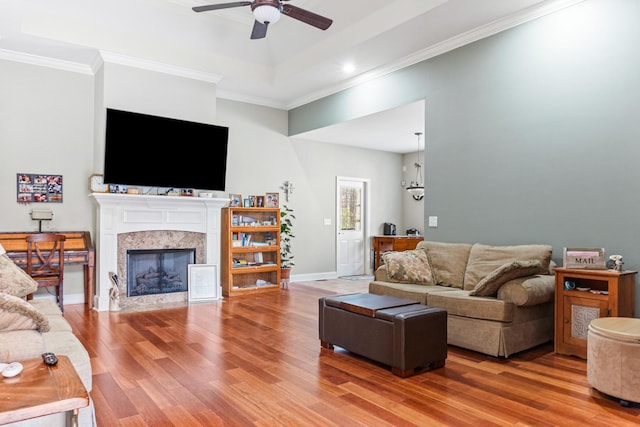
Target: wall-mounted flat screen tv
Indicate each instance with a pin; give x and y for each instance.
(153, 151)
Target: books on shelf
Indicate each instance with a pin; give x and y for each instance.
(245, 239)
(259, 283)
(251, 263)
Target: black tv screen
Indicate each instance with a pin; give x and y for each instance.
(152, 151)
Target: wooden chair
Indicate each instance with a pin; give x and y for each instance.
(45, 261)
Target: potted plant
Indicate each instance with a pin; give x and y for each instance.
(286, 235)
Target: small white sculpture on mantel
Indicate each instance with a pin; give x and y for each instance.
(617, 262)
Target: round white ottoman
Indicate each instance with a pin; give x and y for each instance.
(613, 357)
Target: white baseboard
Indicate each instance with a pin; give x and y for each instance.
(314, 276)
(68, 298)
(309, 277)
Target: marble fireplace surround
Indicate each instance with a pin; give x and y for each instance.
(140, 221)
(160, 239)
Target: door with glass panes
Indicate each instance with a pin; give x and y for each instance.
(351, 220)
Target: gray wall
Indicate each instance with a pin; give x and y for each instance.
(531, 135)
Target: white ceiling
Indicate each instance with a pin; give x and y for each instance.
(295, 64)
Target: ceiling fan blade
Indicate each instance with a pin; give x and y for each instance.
(220, 6)
(306, 16)
(259, 30)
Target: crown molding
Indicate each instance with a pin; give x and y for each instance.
(145, 64)
(249, 99)
(43, 61)
(104, 56)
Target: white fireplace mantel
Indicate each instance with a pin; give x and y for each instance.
(125, 213)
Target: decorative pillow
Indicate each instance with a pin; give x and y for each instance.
(448, 261)
(410, 266)
(484, 259)
(490, 284)
(17, 314)
(14, 280)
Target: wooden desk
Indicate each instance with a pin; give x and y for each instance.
(392, 243)
(78, 249)
(41, 390)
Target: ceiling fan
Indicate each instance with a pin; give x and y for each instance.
(268, 12)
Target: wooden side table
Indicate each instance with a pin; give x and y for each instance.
(41, 390)
(597, 293)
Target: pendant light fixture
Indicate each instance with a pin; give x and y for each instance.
(416, 188)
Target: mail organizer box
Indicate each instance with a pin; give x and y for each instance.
(408, 336)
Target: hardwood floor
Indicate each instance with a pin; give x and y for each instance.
(257, 360)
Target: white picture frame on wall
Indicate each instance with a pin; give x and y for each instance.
(203, 283)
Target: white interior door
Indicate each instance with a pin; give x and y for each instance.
(351, 227)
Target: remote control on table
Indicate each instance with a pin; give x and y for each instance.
(49, 359)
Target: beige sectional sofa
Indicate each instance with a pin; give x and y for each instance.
(499, 299)
(30, 328)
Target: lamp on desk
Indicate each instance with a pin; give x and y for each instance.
(41, 215)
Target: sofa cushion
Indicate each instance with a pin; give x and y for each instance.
(14, 280)
(484, 259)
(46, 306)
(458, 303)
(410, 266)
(31, 345)
(448, 261)
(405, 290)
(489, 286)
(528, 291)
(17, 314)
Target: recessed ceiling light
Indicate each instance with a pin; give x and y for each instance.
(348, 68)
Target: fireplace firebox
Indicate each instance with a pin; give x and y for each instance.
(158, 271)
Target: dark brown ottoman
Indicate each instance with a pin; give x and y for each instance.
(402, 333)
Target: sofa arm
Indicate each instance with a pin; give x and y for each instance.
(527, 291)
(382, 275)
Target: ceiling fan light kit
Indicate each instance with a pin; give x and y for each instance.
(268, 12)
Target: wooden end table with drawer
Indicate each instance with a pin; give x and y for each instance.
(41, 390)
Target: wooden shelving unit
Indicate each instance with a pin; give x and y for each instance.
(613, 296)
(250, 255)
